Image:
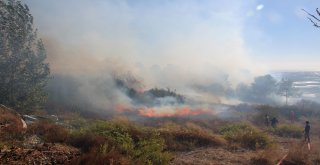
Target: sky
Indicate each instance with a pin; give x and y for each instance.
(188, 40)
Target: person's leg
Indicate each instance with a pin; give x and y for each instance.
(305, 137)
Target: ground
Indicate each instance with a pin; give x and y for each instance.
(225, 156)
(213, 156)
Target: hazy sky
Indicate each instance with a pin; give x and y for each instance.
(177, 37)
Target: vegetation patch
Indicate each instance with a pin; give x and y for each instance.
(119, 143)
(245, 136)
(289, 131)
(269, 156)
(49, 132)
(188, 136)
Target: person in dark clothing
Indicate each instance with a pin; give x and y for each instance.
(274, 122)
(307, 132)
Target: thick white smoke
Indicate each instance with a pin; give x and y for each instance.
(165, 44)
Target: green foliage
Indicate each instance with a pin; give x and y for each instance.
(151, 152)
(140, 145)
(259, 91)
(117, 132)
(23, 72)
(289, 131)
(157, 93)
(262, 110)
(246, 136)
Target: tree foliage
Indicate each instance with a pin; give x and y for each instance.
(286, 89)
(259, 91)
(314, 19)
(23, 70)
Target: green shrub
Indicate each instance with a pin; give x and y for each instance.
(289, 131)
(151, 152)
(245, 135)
(116, 132)
(123, 140)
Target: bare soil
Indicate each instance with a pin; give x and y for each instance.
(214, 156)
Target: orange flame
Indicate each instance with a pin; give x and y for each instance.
(121, 108)
(179, 112)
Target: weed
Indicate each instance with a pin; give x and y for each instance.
(289, 131)
(246, 136)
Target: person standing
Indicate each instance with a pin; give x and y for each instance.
(274, 122)
(307, 132)
(266, 120)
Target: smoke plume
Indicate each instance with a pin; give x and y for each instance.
(183, 46)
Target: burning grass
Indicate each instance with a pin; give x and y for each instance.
(154, 140)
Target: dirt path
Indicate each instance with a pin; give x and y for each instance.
(213, 156)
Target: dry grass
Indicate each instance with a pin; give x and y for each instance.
(293, 131)
(50, 132)
(299, 154)
(268, 156)
(246, 136)
(188, 136)
(11, 128)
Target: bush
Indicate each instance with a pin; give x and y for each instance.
(87, 142)
(10, 127)
(289, 131)
(268, 156)
(99, 157)
(245, 136)
(119, 143)
(298, 155)
(49, 132)
(151, 152)
(262, 110)
(184, 137)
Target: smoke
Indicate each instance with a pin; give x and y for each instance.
(181, 45)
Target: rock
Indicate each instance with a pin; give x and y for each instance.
(32, 142)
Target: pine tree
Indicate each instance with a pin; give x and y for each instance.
(23, 71)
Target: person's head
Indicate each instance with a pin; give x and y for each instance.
(307, 122)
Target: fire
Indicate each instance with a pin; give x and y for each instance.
(120, 108)
(178, 112)
(161, 111)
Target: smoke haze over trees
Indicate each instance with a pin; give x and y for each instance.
(190, 66)
(23, 70)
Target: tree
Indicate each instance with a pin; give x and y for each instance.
(314, 19)
(23, 71)
(260, 91)
(286, 89)
(263, 85)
